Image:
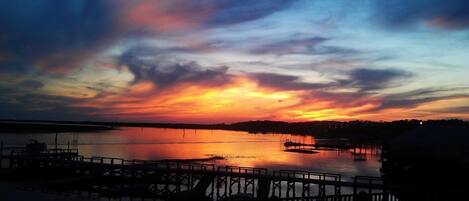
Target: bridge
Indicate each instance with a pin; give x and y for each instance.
(64, 170)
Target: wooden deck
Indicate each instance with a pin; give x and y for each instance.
(64, 170)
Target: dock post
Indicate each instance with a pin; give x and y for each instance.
(264, 188)
(55, 141)
(355, 186)
(385, 195)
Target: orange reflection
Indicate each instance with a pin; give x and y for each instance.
(238, 149)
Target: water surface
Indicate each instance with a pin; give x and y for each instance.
(238, 148)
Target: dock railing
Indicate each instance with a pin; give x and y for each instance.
(161, 179)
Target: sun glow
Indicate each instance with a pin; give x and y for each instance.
(240, 99)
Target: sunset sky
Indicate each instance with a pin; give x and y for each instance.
(213, 61)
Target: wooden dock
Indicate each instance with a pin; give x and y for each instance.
(64, 170)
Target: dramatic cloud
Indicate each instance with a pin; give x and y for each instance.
(165, 16)
(446, 14)
(52, 35)
(166, 74)
(415, 98)
(179, 15)
(373, 79)
(231, 60)
(362, 79)
(58, 36)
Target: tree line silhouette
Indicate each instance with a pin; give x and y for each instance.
(361, 130)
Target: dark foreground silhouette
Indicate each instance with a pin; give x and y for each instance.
(64, 171)
(428, 163)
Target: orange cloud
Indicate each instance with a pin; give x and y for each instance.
(241, 99)
(238, 100)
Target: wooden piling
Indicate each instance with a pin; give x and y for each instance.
(264, 189)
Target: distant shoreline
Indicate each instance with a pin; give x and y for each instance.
(48, 127)
(357, 130)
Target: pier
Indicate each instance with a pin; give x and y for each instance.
(64, 170)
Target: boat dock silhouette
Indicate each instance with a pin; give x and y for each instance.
(65, 170)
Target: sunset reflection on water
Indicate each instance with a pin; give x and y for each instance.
(238, 148)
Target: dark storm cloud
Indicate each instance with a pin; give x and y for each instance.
(449, 14)
(52, 34)
(168, 73)
(374, 79)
